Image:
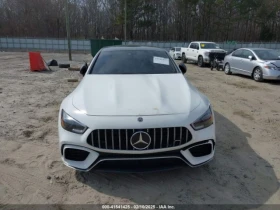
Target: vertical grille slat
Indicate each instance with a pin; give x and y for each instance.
(154, 138)
(119, 139)
(99, 145)
(160, 138)
(180, 135)
(120, 146)
(106, 144)
(126, 138)
(174, 137)
(167, 144)
(113, 146)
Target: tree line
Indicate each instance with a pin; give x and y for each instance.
(155, 20)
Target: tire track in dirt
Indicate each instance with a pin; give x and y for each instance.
(18, 181)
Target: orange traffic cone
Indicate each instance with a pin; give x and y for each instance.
(36, 61)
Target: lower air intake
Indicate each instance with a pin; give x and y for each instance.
(75, 154)
(201, 150)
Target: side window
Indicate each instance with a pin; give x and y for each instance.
(178, 49)
(237, 53)
(246, 54)
(196, 46)
(172, 49)
(192, 45)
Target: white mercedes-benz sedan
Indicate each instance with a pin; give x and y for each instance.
(134, 110)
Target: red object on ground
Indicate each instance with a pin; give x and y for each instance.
(36, 61)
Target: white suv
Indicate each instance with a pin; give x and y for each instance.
(175, 52)
(199, 52)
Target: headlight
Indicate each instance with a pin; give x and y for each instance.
(206, 53)
(271, 67)
(70, 124)
(204, 121)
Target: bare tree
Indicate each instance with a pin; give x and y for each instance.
(161, 20)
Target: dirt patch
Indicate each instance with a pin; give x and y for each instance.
(27, 133)
(243, 85)
(243, 114)
(47, 119)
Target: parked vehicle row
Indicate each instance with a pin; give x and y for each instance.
(258, 63)
(196, 52)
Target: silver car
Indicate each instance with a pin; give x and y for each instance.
(258, 63)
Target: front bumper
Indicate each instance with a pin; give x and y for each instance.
(178, 56)
(187, 154)
(206, 59)
(140, 162)
(271, 74)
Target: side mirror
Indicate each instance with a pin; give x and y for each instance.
(197, 47)
(183, 68)
(83, 69)
(251, 57)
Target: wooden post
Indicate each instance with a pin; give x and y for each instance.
(68, 30)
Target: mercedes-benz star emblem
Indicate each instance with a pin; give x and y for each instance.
(140, 140)
(140, 119)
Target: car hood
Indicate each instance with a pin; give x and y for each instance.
(274, 62)
(213, 50)
(123, 95)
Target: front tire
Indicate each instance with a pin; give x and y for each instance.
(211, 65)
(184, 59)
(258, 74)
(200, 62)
(227, 69)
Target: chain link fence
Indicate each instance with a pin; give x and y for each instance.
(47, 44)
(60, 45)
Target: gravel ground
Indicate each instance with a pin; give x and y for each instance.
(245, 170)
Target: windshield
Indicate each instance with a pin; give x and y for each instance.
(267, 54)
(178, 49)
(209, 46)
(133, 62)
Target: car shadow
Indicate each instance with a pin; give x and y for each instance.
(270, 82)
(237, 175)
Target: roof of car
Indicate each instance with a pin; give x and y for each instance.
(131, 47)
(204, 41)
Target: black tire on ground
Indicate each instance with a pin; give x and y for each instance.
(211, 65)
(184, 59)
(52, 63)
(258, 74)
(227, 69)
(63, 65)
(200, 62)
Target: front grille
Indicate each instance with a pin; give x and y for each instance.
(141, 165)
(119, 139)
